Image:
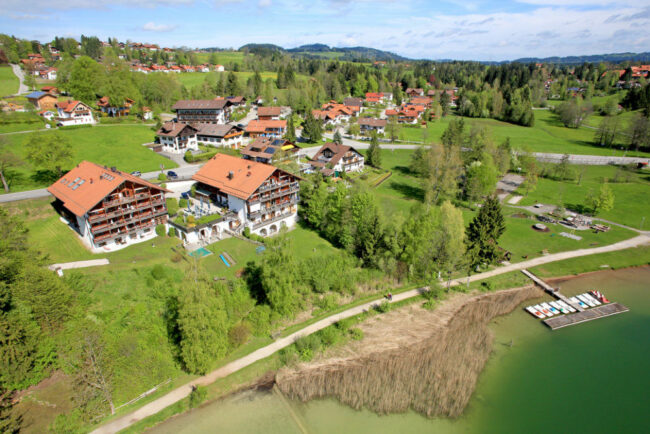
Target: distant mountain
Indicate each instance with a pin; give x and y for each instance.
(325, 51)
(596, 58)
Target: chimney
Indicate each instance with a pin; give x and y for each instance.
(248, 174)
(91, 180)
(231, 174)
(113, 169)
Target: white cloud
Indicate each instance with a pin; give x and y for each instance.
(153, 27)
(45, 5)
(264, 3)
(26, 17)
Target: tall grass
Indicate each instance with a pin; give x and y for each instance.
(434, 376)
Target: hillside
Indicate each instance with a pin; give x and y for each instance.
(596, 58)
(325, 51)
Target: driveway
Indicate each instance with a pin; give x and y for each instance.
(21, 77)
(508, 184)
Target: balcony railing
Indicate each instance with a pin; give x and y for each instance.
(293, 188)
(123, 232)
(271, 220)
(271, 208)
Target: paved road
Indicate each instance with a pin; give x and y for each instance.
(183, 391)
(22, 88)
(590, 160)
(23, 195)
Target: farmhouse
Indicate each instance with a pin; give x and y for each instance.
(47, 73)
(47, 114)
(115, 111)
(147, 113)
(266, 150)
(108, 208)
(354, 102)
(42, 100)
(415, 92)
(73, 113)
(370, 124)
(50, 89)
(257, 128)
(215, 111)
(178, 137)
(258, 196)
(227, 136)
(334, 159)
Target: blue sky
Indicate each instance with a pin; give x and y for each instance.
(472, 29)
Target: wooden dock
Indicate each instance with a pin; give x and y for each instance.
(552, 291)
(605, 310)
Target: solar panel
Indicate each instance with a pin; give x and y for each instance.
(269, 151)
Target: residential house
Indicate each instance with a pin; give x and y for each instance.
(269, 113)
(178, 137)
(432, 93)
(42, 100)
(406, 114)
(258, 196)
(109, 209)
(421, 100)
(236, 101)
(203, 68)
(220, 135)
(73, 113)
(147, 114)
(266, 150)
(114, 111)
(257, 128)
(353, 102)
(47, 73)
(335, 114)
(219, 68)
(334, 159)
(215, 111)
(47, 114)
(369, 124)
(414, 92)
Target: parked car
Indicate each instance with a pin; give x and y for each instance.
(136, 173)
(172, 175)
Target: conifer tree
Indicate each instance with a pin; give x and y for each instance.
(483, 234)
(374, 153)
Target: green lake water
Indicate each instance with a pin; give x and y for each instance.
(593, 377)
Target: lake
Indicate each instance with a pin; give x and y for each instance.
(591, 377)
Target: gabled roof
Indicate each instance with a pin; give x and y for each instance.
(266, 147)
(173, 129)
(246, 177)
(216, 130)
(371, 122)
(337, 149)
(257, 126)
(69, 105)
(37, 95)
(356, 102)
(208, 104)
(269, 111)
(87, 184)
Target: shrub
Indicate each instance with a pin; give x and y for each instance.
(330, 336)
(308, 346)
(172, 206)
(182, 203)
(163, 185)
(356, 334)
(486, 286)
(247, 232)
(288, 355)
(188, 157)
(162, 177)
(383, 307)
(158, 272)
(238, 335)
(176, 258)
(191, 220)
(160, 230)
(198, 395)
(172, 232)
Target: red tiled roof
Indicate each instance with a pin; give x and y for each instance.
(97, 183)
(257, 126)
(247, 175)
(69, 105)
(173, 129)
(269, 111)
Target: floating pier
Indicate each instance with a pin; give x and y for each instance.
(582, 314)
(602, 311)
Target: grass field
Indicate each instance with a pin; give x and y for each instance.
(630, 198)
(223, 57)
(8, 81)
(119, 146)
(548, 135)
(191, 79)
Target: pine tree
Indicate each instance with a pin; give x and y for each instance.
(483, 234)
(337, 138)
(312, 131)
(290, 135)
(374, 152)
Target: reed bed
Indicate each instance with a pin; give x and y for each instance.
(427, 361)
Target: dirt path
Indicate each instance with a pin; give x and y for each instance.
(22, 88)
(183, 391)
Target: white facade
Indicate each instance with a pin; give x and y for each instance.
(219, 68)
(235, 142)
(177, 146)
(112, 245)
(354, 164)
(147, 115)
(81, 115)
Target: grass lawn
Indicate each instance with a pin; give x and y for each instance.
(119, 146)
(630, 198)
(623, 258)
(191, 79)
(548, 135)
(398, 193)
(223, 57)
(521, 240)
(8, 81)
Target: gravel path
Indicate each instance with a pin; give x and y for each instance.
(22, 88)
(183, 391)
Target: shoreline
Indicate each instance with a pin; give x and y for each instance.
(265, 382)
